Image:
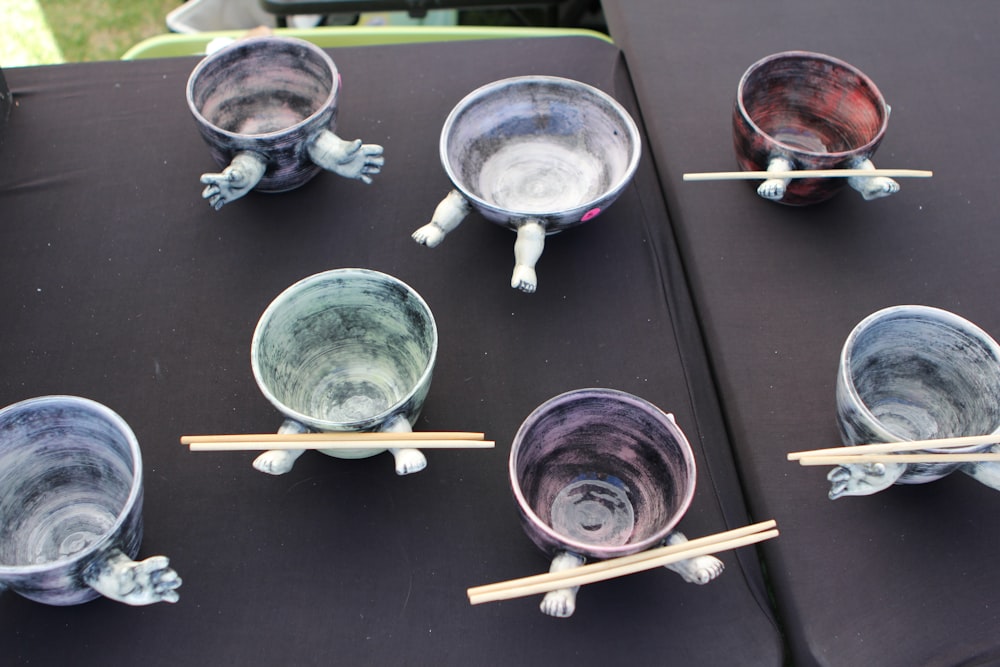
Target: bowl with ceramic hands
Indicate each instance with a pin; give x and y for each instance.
(915, 373)
(267, 109)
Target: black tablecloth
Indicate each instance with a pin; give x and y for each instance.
(122, 285)
(906, 577)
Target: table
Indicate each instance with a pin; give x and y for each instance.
(906, 577)
(122, 285)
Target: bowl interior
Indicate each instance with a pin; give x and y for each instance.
(344, 347)
(813, 104)
(601, 472)
(924, 378)
(261, 86)
(538, 145)
(66, 475)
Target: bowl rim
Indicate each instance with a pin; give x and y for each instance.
(244, 44)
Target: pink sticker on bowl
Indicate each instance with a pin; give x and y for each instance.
(592, 213)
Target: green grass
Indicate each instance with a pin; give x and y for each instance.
(104, 29)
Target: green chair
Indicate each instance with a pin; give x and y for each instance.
(193, 44)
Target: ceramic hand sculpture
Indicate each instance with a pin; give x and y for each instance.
(136, 583)
(562, 603)
(350, 159)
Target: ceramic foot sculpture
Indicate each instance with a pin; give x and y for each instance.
(136, 583)
(870, 187)
(448, 215)
(528, 247)
(527, 251)
(562, 603)
(281, 461)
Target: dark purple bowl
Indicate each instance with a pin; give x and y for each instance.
(600, 473)
(268, 95)
(812, 109)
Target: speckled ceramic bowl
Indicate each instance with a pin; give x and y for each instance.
(70, 501)
(917, 373)
(814, 110)
(600, 473)
(346, 350)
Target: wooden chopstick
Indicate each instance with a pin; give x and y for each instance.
(876, 452)
(625, 565)
(805, 173)
(899, 458)
(345, 440)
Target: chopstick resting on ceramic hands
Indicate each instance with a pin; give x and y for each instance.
(897, 452)
(805, 173)
(340, 440)
(625, 565)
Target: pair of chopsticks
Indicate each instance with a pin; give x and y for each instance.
(625, 565)
(380, 440)
(896, 452)
(805, 173)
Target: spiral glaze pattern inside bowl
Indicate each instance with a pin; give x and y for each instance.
(539, 147)
(600, 473)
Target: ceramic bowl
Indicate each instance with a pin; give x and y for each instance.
(537, 154)
(346, 350)
(71, 500)
(267, 108)
(600, 473)
(269, 95)
(916, 373)
(813, 111)
(539, 147)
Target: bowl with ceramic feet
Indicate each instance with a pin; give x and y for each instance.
(536, 154)
(804, 111)
(346, 350)
(597, 474)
